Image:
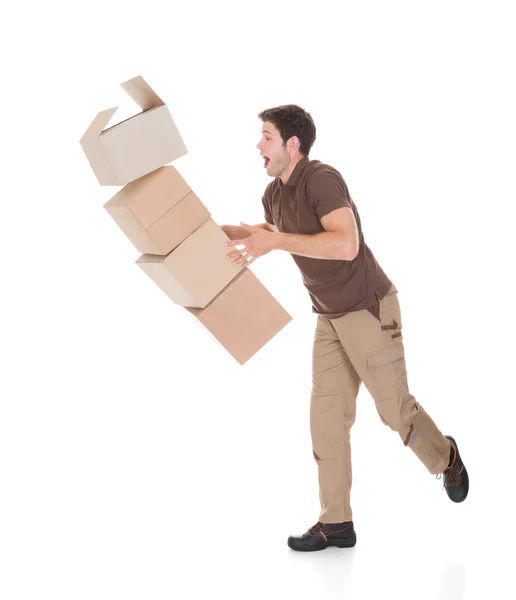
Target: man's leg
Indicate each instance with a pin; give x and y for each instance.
(335, 385)
(375, 347)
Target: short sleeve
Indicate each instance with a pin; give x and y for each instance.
(267, 210)
(327, 191)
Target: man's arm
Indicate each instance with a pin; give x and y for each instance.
(339, 241)
(235, 232)
(268, 227)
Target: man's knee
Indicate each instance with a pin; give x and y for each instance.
(398, 412)
(330, 424)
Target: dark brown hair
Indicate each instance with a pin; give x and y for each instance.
(289, 120)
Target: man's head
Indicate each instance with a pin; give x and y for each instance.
(288, 133)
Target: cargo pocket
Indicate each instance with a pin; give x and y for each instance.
(388, 372)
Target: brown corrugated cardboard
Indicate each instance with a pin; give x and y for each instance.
(137, 146)
(196, 271)
(243, 317)
(157, 211)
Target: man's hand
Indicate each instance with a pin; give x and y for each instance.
(258, 243)
(234, 232)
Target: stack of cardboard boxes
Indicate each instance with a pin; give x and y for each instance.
(182, 248)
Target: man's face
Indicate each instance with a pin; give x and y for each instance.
(274, 151)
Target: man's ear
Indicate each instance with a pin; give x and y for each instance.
(293, 143)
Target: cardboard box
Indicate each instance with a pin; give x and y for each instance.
(136, 146)
(157, 211)
(243, 317)
(197, 270)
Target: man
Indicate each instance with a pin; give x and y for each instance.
(310, 214)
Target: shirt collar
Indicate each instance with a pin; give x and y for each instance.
(296, 173)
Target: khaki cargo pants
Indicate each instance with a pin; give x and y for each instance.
(349, 350)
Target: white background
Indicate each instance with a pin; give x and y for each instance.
(137, 458)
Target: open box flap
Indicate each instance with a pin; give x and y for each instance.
(141, 92)
(98, 124)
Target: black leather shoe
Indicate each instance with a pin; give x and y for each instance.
(322, 535)
(456, 479)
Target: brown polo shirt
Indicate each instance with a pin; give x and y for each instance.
(336, 287)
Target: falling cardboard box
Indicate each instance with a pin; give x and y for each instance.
(243, 317)
(137, 146)
(158, 211)
(196, 271)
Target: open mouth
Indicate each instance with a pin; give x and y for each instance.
(267, 160)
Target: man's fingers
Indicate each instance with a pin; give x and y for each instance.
(235, 243)
(249, 227)
(249, 260)
(242, 259)
(238, 256)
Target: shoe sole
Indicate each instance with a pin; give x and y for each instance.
(343, 544)
(465, 476)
